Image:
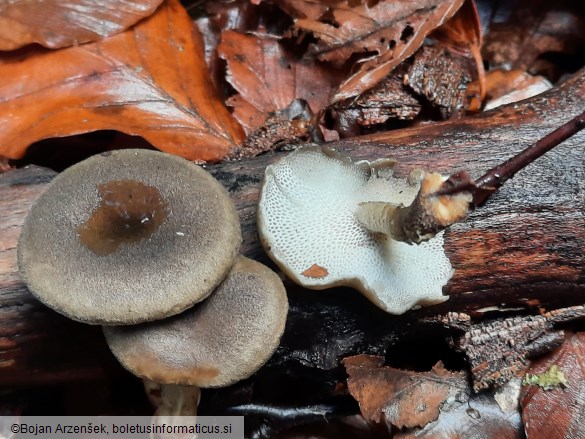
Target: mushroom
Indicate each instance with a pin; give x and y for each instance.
(128, 236)
(309, 212)
(220, 341)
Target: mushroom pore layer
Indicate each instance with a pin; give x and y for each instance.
(307, 224)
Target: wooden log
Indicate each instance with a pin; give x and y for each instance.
(524, 248)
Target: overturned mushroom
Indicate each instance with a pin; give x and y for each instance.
(226, 338)
(128, 236)
(317, 221)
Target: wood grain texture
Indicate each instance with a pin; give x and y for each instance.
(525, 247)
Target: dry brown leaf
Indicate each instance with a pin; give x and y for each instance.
(218, 17)
(269, 79)
(150, 81)
(462, 32)
(58, 23)
(560, 412)
(379, 29)
(402, 398)
(389, 33)
(310, 9)
(439, 401)
(500, 83)
(528, 87)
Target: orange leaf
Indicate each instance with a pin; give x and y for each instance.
(59, 23)
(505, 86)
(305, 8)
(269, 78)
(150, 81)
(462, 31)
(403, 398)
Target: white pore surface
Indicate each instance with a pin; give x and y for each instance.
(306, 217)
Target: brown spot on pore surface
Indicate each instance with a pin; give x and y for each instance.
(129, 211)
(315, 271)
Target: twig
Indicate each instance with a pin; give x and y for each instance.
(497, 176)
(489, 183)
(439, 205)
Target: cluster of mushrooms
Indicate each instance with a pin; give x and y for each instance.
(146, 244)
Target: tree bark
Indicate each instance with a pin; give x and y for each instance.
(524, 248)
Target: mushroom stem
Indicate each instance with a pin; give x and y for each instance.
(176, 406)
(377, 216)
(173, 399)
(428, 214)
(178, 400)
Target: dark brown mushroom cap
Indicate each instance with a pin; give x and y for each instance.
(128, 236)
(220, 341)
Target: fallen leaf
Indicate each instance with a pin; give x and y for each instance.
(500, 82)
(400, 397)
(150, 81)
(560, 412)
(462, 33)
(57, 23)
(316, 272)
(269, 79)
(518, 88)
(213, 19)
(309, 9)
(386, 33)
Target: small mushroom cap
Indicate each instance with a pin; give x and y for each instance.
(220, 341)
(128, 236)
(307, 224)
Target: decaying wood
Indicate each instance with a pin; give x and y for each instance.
(525, 247)
(499, 350)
